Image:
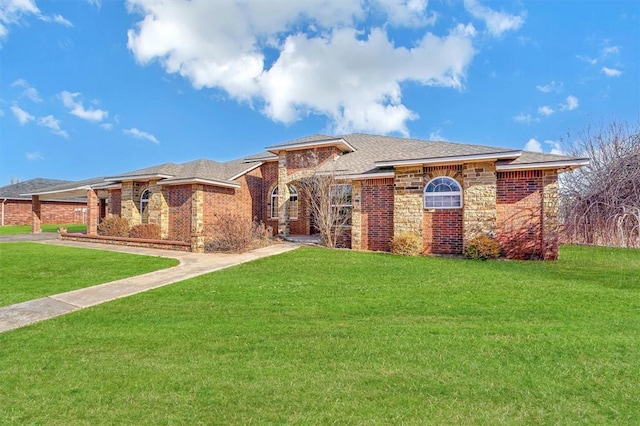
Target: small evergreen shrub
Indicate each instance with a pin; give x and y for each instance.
(145, 231)
(482, 247)
(114, 226)
(406, 244)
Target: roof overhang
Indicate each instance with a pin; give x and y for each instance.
(255, 166)
(262, 159)
(76, 192)
(339, 143)
(146, 177)
(199, 181)
(493, 156)
(364, 176)
(563, 164)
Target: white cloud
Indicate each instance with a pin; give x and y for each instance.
(52, 124)
(34, 156)
(533, 145)
(550, 87)
(546, 110)
(525, 118)
(13, 12)
(96, 3)
(22, 116)
(570, 104)
(610, 50)
(611, 72)
(497, 22)
(436, 135)
(58, 19)
(107, 126)
(139, 134)
(76, 108)
(556, 147)
(29, 91)
(326, 62)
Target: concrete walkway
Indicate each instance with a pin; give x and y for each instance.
(191, 265)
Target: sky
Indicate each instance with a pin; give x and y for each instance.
(93, 88)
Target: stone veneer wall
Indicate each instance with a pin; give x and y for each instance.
(408, 200)
(157, 210)
(479, 199)
(550, 238)
(372, 218)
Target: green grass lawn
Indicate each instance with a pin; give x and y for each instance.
(30, 270)
(26, 229)
(318, 336)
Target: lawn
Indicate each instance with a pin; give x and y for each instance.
(316, 336)
(30, 270)
(26, 229)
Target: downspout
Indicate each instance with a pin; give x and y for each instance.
(3, 201)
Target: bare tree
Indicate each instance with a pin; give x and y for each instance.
(329, 200)
(600, 203)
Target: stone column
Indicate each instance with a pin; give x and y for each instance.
(283, 196)
(36, 214)
(93, 212)
(479, 188)
(129, 204)
(550, 215)
(197, 219)
(356, 215)
(158, 208)
(408, 200)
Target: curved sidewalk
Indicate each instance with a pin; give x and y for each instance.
(191, 265)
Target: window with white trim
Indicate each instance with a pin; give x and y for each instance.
(292, 204)
(144, 200)
(342, 203)
(442, 193)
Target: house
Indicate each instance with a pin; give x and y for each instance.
(16, 208)
(447, 193)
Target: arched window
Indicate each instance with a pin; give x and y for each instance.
(442, 193)
(144, 200)
(293, 203)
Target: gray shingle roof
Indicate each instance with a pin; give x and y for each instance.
(13, 191)
(69, 186)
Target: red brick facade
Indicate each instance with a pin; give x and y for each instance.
(442, 231)
(376, 222)
(179, 201)
(519, 213)
(18, 212)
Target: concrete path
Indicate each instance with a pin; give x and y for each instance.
(45, 236)
(191, 265)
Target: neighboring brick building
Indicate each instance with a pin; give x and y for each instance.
(446, 193)
(16, 208)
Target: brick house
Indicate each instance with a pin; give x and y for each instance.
(16, 208)
(447, 193)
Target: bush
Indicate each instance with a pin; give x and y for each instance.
(230, 234)
(114, 226)
(482, 247)
(146, 231)
(406, 244)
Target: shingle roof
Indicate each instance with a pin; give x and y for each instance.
(13, 191)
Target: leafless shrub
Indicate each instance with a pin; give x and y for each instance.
(600, 203)
(406, 244)
(146, 231)
(234, 233)
(114, 226)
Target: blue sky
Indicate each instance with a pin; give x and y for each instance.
(91, 88)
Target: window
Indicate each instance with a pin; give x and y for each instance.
(442, 193)
(144, 200)
(293, 203)
(342, 203)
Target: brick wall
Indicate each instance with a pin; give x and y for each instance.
(376, 214)
(18, 212)
(179, 202)
(519, 213)
(270, 179)
(442, 231)
(115, 199)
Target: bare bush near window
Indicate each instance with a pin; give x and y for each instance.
(600, 203)
(329, 201)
